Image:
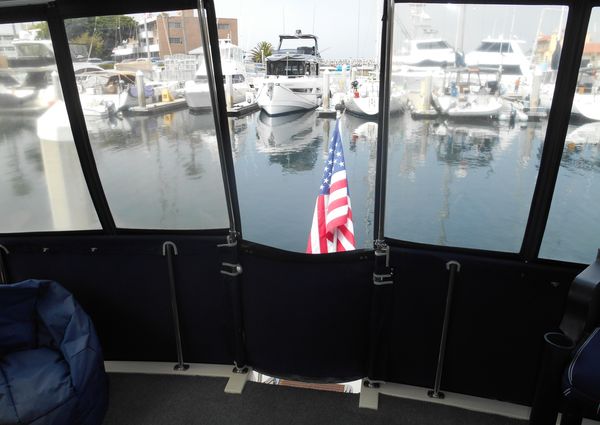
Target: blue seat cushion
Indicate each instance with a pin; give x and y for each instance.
(581, 381)
(17, 321)
(39, 385)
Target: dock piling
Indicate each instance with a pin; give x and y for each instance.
(139, 84)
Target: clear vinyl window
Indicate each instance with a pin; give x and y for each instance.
(42, 187)
(149, 118)
(572, 231)
(464, 157)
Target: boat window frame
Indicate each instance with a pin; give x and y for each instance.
(576, 27)
(55, 13)
(558, 118)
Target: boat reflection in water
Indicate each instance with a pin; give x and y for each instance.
(466, 146)
(290, 140)
(584, 134)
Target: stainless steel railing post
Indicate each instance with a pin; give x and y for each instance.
(169, 250)
(454, 268)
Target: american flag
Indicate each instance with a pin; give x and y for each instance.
(332, 229)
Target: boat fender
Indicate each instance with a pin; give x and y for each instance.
(148, 91)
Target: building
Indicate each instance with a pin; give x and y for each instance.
(8, 33)
(228, 28)
(591, 54)
(165, 34)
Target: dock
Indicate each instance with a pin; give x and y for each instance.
(326, 113)
(242, 109)
(424, 115)
(158, 107)
(536, 115)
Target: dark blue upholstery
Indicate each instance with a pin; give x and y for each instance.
(51, 365)
(581, 380)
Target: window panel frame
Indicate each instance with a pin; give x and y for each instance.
(554, 140)
(55, 14)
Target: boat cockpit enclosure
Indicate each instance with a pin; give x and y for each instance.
(451, 235)
(297, 55)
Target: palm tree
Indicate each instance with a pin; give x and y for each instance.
(261, 51)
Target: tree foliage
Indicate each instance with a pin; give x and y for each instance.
(262, 49)
(102, 33)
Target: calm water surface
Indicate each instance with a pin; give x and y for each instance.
(448, 183)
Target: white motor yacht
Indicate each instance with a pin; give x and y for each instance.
(505, 56)
(292, 82)
(197, 92)
(433, 52)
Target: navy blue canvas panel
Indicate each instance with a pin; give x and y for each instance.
(122, 282)
(307, 316)
(500, 312)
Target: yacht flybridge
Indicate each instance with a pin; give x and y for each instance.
(292, 82)
(153, 265)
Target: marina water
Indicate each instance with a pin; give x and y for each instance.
(452, 184)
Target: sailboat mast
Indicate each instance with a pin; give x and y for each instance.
(460, 28)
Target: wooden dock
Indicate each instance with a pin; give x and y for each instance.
(241, 109)
(326, 113)
(424, 115)
(158, 107)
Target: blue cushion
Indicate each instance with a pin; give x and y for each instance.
(8, 414)
(61, 381)
(17, 321)
(581, 381)
(39, 382)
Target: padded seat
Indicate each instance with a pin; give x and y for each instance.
(51, 366)
(581, 380)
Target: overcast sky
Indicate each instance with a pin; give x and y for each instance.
(349, 28)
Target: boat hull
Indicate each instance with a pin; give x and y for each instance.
(586, 106)
(276, 99)
(474, 107)
(368, 107)
(197, 96)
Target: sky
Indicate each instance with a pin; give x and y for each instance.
(349, 28)
(345, 28)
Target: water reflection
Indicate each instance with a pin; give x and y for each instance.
(448, 183)
(466, 145)
(160, 171)
(291, 140)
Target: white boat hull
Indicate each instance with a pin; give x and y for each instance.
(197, 95)
(474, 107)
(587, 106)
(276, 99)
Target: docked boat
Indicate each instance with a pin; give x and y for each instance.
(433, 52)
(504, 56)
(292, 82)
(467, 96)
(586, 101)
(363, 99)
(197, 93)
(26, 83)
(103, 92)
